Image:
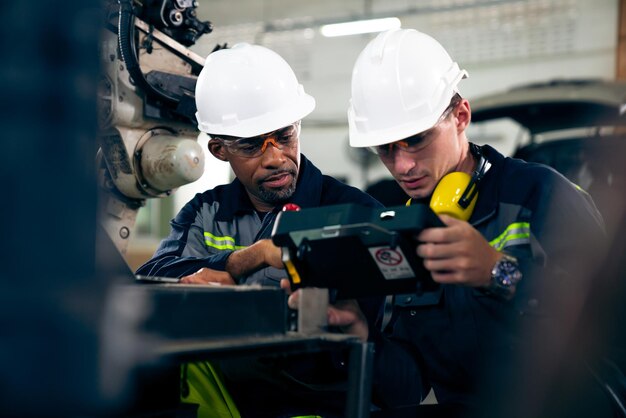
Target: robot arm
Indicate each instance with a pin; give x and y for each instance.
(148, 134)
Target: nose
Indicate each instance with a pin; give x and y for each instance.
(403, 162)
(272, 156)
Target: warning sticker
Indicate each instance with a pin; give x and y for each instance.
(391, 262)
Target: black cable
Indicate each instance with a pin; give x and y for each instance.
(127, 49)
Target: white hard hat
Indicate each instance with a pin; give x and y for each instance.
(248, 90)
(402, 83)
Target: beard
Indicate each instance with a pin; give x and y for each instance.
(275, 196)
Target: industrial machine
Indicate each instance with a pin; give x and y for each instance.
(148, 134)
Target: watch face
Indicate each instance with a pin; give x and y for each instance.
(506, 273)
(509, 273)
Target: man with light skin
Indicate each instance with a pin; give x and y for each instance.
(515, 257)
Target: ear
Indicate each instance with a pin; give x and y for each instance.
(463, 114)
(216, 148)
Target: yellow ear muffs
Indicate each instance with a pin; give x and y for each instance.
(457, 192)
(455, 195)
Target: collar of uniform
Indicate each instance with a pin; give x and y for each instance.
(233, 200)
(308, 192)
(488, 193)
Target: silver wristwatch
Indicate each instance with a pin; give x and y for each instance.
(505, 274)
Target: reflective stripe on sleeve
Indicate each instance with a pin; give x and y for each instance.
(514, 234)
(221, 243)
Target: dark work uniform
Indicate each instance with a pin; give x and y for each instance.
(459, 345)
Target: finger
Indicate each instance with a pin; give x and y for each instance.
(192, 279)
(447, 264)
(432, 251)
(341, 317)
(438, 234)
(293, 299)
(285, 284)
(445, 276)
(449, 233)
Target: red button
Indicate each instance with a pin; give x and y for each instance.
(291, 207)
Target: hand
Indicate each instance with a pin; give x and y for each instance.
(347, 315)
(207, 275)
(457, 254)
(344, 314)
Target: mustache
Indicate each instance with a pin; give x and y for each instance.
(278, 173)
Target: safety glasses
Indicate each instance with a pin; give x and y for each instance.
(413, 143)
(255, 146)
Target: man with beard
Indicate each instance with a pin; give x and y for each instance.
(250, 104)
